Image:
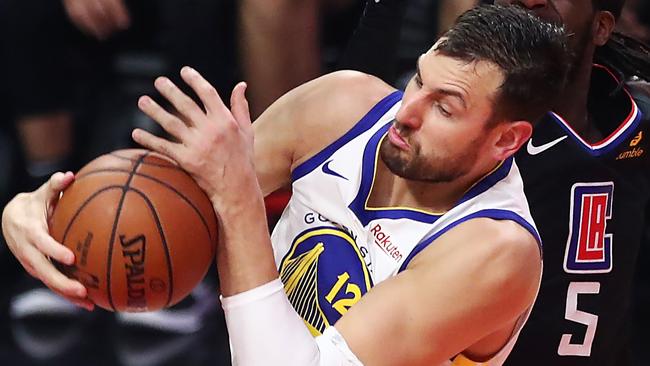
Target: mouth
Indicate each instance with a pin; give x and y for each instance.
(397, 140)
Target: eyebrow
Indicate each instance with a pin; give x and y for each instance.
(453, 93)
(442, 91)
(417, 67)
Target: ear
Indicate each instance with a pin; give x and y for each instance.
(602, 27)
(511, 137)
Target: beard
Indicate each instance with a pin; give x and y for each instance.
(413, 165)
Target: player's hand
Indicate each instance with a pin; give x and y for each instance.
(98, 18)
(25, 228)
(213, 144)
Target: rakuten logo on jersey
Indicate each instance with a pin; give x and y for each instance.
(384, 242)
(589, 246)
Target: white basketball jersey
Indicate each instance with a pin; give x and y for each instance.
(331, 248)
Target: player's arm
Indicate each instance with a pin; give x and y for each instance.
(467, 288)
(463, 294)
(489, 276)
(236, 165)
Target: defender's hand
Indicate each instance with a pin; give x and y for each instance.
(25, 228)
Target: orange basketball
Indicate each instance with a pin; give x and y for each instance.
(142, 230)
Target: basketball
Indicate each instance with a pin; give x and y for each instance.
(143, 232)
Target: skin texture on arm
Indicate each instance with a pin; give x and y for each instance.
(473, 281)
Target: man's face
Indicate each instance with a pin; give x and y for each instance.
(441, 128)
(577, 16)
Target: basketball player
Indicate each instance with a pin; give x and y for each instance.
(407, 240)
(586, 176)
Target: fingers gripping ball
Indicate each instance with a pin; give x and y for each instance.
(142, 230)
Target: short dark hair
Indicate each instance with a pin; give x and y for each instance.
(532, 54)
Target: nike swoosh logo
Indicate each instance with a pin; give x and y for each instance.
(534, 150)
(327, 170)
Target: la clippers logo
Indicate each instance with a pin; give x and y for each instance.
(589, 246)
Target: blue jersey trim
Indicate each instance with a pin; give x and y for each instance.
(366, 215)
(363, 125)
(358, 205)
(497, 214)
(610, 145)
(490, 180)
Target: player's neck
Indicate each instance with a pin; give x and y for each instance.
(390, 190)
(572, 103)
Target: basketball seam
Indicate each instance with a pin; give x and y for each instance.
(181, 195)
(170, 275)
(84, 204)
(172, 166)
(163, 183)
(125, 189)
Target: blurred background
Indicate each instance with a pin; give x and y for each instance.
(70, 75)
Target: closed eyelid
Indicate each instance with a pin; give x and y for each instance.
(452, 99)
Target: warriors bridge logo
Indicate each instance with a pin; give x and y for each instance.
(324, 275)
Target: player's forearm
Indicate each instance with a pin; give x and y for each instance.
(264, 329)
(263, 326)
(244, 254)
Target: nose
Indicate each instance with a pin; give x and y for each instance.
(411, 112)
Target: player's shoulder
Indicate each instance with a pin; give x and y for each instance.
(502, 242)
(325, 108)
(355, 80)
(505, 253)
(345, 91)
(505, 236)
(337, 99)
(504, 246)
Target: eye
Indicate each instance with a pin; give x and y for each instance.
(443, 110)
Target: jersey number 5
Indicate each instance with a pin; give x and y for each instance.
(572, 313)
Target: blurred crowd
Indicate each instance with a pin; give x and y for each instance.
(71, 73)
